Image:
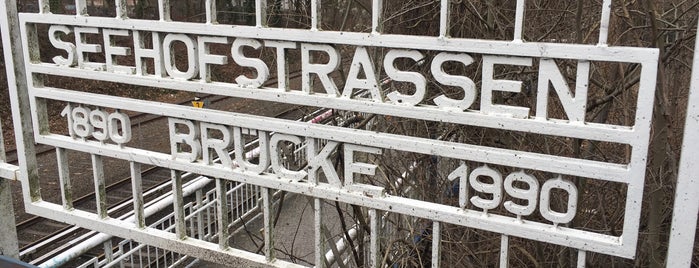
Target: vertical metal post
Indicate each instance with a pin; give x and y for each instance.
(582, 255)
(261, 13)
(100, 186)
(80, 8)
(44, 6)
(24, 133)
(137, 190)
(178, 204)
(108, 251)
(199, 194)
(210, 6)
(315, 15)
(8, 243)
(3, 156)
(374, 243)
(519, 21)
(64, 178)
(436, 243)
(376, 16)
(504, 251)
(121, 9)
(223, 211)
(19, 99)
(684, 214)
(444, 14)
(318, 229)
(267, 215)
(164, 10)
(604, 22)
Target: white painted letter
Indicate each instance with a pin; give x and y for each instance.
(412, 77)
(69, 48)
(259, 65)
(275, 153)
(323, 70)
(140, 52)
(282, 64)
(453, 80)
(219, 145)
(361, 61)
(318, 161)
(206, 59)
(110, 51)
(574, 106)
(192, 67)
(490, 85)
(190, 138)
(240, 154)
(81, 48)
(352, 167)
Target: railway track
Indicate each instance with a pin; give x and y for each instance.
(39, 238)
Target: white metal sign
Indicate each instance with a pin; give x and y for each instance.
(99, 125)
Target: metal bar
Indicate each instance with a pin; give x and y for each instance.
(267, 212)
(94, 240)
(200, 217)
(223, 213)
(162, 239)
(525, 49)
(318, 231)
(495, 223)
(374, 243)
(64, 178)
(81, 8)
(519, 21)
(137, 190)
(164, 10)
(19, 100)
(121, 12)
(504, 251)
(592, 131)
(9, 245)
(513, 158)
(108, 251)
(100, 190)
(686, 207)
(3, 153)
(8, 171)
(444, 18)
(44, 6)
(199, 195)
(436, 244)
(315, 15)
(210, 6)
(376, 16)
(604, 22)
(178, 204)
(342, 246)
(582, 255)
(261, 13)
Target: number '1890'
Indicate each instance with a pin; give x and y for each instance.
(103, 126)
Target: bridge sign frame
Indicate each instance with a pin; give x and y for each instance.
(29, 97)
